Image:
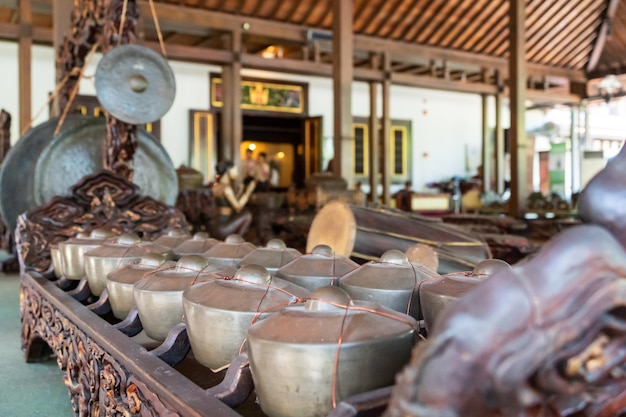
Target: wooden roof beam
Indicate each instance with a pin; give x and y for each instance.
(182, 18)
(11, 31)
(405, 50)
(604, 71)
(602, 35)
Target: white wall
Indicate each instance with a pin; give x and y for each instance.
(9, 88)
(446, 126)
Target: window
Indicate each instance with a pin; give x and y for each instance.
(400, 148)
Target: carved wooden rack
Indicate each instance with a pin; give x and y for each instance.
(110, 368)
(108, 373)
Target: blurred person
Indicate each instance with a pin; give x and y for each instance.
(248, 166)
(404, 197)
(263, 173)
(231, 216)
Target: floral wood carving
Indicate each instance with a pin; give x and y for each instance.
(98, 384)
(99, 200)
(85, 22)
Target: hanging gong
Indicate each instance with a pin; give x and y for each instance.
(135, 84)
(16, 176)
(41, 165)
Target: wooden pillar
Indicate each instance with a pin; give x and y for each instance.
(487, 149)
(373, 135)
(225, 142)
(25, 43)
(586, 122)
(61, 22)
(386, 129)
(575, 149)
(517, 82)
(231, 129)
(235, 88)
(499, 145)
(342, 89)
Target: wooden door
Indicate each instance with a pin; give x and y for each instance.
(312, 145)
(202, 143)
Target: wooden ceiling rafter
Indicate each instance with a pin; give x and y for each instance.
(273, 12)
(564, 55)
(412, 11)
(205, 42)
(499, 46)
(582, 59)
(360, 7)
(247, 7)
(461, 25)
(413, 30)
(495, 33)
(477, 26)
(548, 33)
(402, 66)
(257, 8)
(328, 18)
(447, 18)
(387, 16)
(305, 15)
(323, 15)
(536, 15)
(431, 22)
(291, 11)
(602, 34)
(563, 35)
(567, 40)
(500, 16)
(367, 15)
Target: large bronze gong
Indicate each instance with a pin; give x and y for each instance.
(41, 166)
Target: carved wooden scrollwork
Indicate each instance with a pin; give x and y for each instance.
(98, 384)
(99, 200)
(121, 138)
(86, 22)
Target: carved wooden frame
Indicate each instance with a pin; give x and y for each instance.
(107, 373)
(103, 199)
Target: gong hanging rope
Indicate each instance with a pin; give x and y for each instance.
(158, 28)
(51, 97)
(122, 21)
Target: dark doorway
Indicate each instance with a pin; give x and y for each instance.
(281, 138)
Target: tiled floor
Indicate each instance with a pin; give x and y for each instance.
(26, 389)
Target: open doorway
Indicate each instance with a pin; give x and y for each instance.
(292, 146)
(293, 143)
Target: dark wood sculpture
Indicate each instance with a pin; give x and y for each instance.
(86, 22)
(5, 133)
(603, 199)
(93, 22)
(121, 138)
(5, 144)
(198, 206)
(99, 200)
(546, 338)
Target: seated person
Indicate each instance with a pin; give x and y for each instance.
(231, 216)
(404, 197)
